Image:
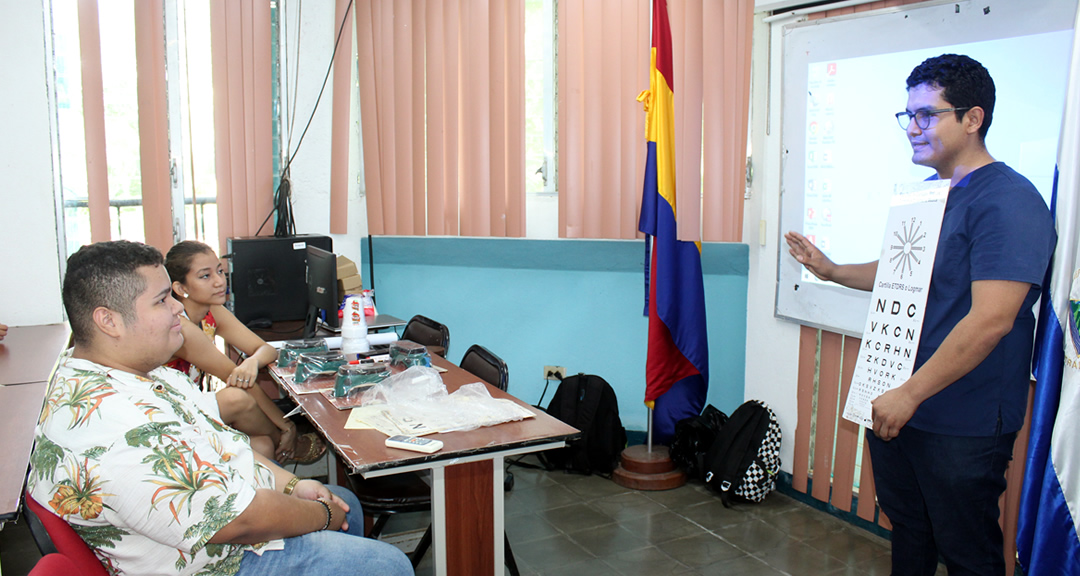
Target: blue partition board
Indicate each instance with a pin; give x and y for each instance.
(572, 303)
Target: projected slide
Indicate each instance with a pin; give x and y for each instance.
(855, 152)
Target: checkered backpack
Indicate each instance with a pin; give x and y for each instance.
(745, 457)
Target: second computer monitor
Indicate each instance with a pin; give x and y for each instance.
(322, 289)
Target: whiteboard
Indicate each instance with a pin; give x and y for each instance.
(843, 151)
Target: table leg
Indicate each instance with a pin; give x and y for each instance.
(464, 515)
(336, 471)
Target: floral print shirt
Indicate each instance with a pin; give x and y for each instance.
(143, 469)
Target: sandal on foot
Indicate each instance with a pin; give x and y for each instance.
(314, 451)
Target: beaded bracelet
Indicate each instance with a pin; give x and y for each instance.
(329, 513)
(291, 485)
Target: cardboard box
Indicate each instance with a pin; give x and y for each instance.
(350, 285)
(346, 268)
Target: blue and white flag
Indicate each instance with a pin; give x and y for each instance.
(1046, 538)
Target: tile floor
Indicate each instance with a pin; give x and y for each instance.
(569, 525)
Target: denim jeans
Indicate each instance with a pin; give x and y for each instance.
(331, 553)
(941, 494)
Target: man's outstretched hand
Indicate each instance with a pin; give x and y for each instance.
(804, 251)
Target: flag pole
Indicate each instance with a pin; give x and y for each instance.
(642, 468)
(648, 429)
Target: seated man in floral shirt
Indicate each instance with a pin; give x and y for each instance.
(137, 460)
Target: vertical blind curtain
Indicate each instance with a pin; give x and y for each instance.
(240, 37)
(153, 124)
(603, 64)
(725, 55)
(341, 126)
(240, 53)
(687, 67)
(442, 110)
(93, 95)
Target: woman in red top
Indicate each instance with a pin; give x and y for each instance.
(199, 284)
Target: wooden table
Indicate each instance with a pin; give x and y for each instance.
(467, 474)
(27, 357)
(20, 407)
(28, 353)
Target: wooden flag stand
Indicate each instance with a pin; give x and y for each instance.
(648, 467)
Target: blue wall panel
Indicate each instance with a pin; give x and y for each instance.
(572, 303)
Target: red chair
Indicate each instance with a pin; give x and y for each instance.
(64, 538)
(55, 565)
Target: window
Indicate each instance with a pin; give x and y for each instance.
(67, 77)
(193, 99)
(541, 166)
(191, 139)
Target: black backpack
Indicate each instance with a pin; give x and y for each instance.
(745, 457)
(693, 438)
(588, 403)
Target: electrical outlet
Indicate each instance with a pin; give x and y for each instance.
(554, 372)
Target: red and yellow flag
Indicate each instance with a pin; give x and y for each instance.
(677, 369)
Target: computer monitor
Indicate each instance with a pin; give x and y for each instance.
(322, 290)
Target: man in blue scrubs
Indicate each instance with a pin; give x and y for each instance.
(942, 440)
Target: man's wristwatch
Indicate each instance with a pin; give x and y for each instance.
(291, 485)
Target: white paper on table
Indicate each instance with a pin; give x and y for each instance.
(373, 417)
(359, 419)
(408, 425)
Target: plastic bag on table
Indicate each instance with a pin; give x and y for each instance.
(414, 384)
(315, 364)
(468, 408)
(292, 349)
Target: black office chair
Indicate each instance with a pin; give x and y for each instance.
(489, 367)
(424, 330)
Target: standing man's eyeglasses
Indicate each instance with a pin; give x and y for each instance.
(922, 117)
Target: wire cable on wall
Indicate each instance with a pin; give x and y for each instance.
(285, 224)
